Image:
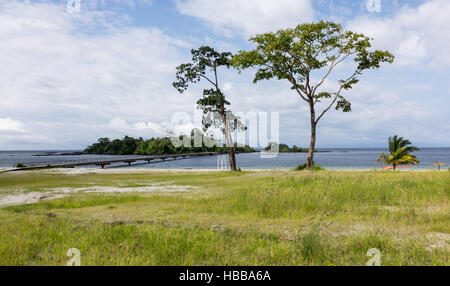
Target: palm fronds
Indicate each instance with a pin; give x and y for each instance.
(399, 152)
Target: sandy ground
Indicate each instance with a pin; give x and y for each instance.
(146, 189)
(15, 197)
(21, 198)
(27, 198)
(79, 171)
(125, 170)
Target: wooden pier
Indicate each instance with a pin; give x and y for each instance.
(103, 163)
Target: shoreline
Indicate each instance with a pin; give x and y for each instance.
(126, 170)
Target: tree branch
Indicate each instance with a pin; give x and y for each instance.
(332, 66)
(205, 77)
(338, 93)
(215, 75)
(291, 79)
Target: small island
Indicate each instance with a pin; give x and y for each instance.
(284, 148)
(160, 146)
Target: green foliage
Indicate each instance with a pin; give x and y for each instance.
(129, 145)
(301, 54)
(312, 246)
(20, 165)
(305, 167)
(204, 59)
(125, 146)
(159, 146)
(399, 152)
(293, 54)
(284, 148)
(205, 65)
(262, 218)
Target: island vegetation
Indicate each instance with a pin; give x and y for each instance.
(158, 146)
(284, 148)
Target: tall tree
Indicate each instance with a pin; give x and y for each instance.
(311, 51)
(205, 66)
(399, 152)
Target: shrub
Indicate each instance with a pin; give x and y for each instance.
(314, 168)
(311, 245)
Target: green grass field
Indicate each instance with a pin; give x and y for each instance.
(221, 218)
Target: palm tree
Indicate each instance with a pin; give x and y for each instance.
(399, 149)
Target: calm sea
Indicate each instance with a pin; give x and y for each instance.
(349, 159)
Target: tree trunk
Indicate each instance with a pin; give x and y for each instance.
(310, 159)
(232, 158)
(229, 142)
(230, 148)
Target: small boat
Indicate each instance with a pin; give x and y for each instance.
(398, 167)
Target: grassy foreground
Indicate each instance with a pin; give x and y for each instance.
(220, 218)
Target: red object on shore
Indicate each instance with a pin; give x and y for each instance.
(398, 167)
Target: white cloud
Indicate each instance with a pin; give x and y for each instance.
(64, 82)
(98, 4)
(250, 16)
(120, 127)
(415, 35)
(379, 111)
(227, 86)
(156, 128)
(7, 124)
(118, 123)
(68, 78)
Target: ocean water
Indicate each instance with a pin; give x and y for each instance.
(336, 159)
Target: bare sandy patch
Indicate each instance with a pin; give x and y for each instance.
(438, 240)
(21, 198)
(439, 209)
(27, 198)
(144, 189)
(5, 169)
(125, 170)
(81, 171)
(392, 208)
(431, 240)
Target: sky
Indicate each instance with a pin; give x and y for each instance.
(70, 74)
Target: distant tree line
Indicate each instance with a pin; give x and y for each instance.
(157, 146)
(285, 148)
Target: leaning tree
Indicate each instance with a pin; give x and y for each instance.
(205, 66)
(306, 57)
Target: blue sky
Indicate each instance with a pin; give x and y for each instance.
(69, 77)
